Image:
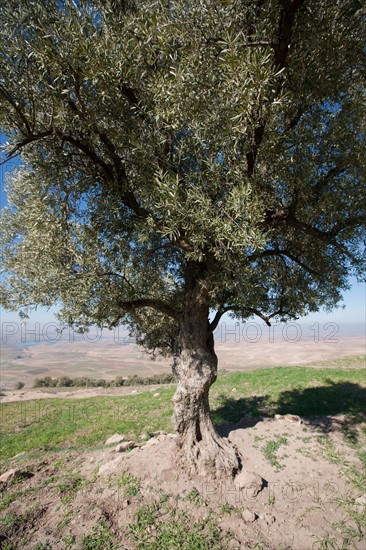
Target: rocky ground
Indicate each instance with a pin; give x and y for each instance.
(301, 488)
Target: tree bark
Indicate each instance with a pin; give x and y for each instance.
(201, 450)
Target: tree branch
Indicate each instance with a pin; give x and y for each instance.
(158, 305)
(8, 97)
(322, 182)
(253, 311)
(286, 26)
(24, 142)
(288, 254)
(283, 216)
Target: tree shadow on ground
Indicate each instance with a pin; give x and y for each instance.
(317, 405)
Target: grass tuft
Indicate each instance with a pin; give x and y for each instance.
(270, 451)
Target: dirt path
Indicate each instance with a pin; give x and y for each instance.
(77, 393)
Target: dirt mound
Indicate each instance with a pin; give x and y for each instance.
(139, 499)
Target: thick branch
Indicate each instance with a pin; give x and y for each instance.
(252, 154)
(286, 25)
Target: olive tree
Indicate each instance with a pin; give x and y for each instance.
(181, 160)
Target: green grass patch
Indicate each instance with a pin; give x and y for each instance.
(69, 487)
(99, 539)
(354, 361)
(60, 424)
(194, 497)
(270, 451)
(170, 529)
(289, 390)
(129, 484)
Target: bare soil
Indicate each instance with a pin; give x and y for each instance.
(307, 498)
(106, 359)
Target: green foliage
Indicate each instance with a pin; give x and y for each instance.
(229, 135)
(46, 382)
(86, 381)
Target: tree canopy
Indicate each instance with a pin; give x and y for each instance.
(157, 133)
(181, 158)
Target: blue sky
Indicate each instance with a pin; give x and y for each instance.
(354, 300)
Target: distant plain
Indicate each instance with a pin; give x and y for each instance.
(239, 348)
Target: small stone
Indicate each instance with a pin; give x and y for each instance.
(156, 395)
(249, 481)
(11, 474)
(116, 438)
(249, 516)
(122, 447)
(234, 544)
(360, 502)
(234, 390)
(267, 518)
(18, 455)
(151, 442)
(293, 418)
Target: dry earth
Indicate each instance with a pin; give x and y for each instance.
(107, 359)
(303, 503)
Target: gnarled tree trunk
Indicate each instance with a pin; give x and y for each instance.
(201, 449)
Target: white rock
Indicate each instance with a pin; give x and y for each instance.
(116, 438)
(249, 481)
(9, 475)
(360, 502)
(156, 395)
(122, 447)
